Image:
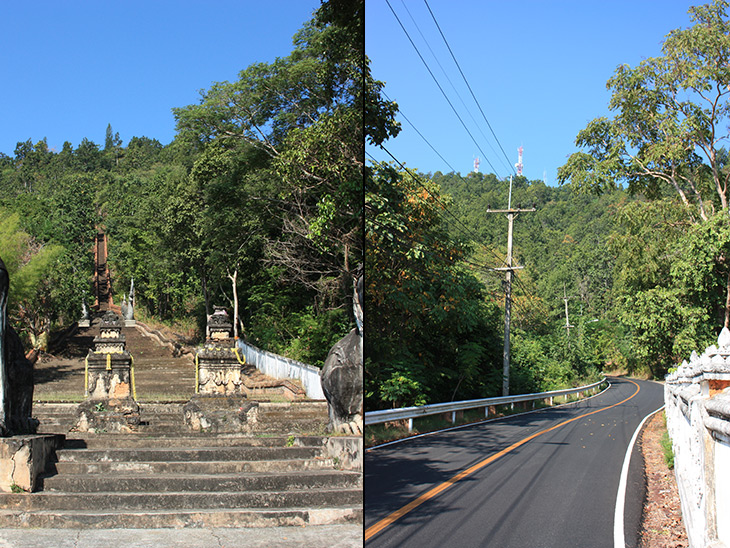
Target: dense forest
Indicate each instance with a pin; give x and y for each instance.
(258, 197)
(626, 263)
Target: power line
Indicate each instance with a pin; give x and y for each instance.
(439, 85)
(421, 135)
(427, 250)
(466, 230)
(467, 84)
(443, 70)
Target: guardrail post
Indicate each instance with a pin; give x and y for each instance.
(551, 401)
(453, 417)
(410, 425)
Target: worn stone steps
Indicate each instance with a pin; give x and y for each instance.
(195, 481)
(209, 467)
(152, 519)
(165, 475)
(135, 481)
(188, 441)
(301, 417)
(206, 500)
(166, 454)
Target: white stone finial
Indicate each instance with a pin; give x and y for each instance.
(723, 341)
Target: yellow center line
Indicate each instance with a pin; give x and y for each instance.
(431, 493)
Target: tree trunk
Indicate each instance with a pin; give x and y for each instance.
(235, 302)
(727, 303)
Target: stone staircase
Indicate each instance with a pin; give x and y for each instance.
(163, 475)
(123, 481)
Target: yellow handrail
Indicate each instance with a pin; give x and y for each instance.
(197, 373)
(235, 351)
(131, 374)
(86, 377)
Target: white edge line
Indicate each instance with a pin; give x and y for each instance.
(487, 420)
(619, 539)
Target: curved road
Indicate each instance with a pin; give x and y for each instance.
(543, 479)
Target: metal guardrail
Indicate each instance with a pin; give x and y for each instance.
(410, 413)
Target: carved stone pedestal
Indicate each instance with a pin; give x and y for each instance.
(109, 371)
(107, 416)
(110, 406)
(219, 369)
(109, 376)
(218, 365)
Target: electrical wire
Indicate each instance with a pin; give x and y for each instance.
(473, 236)
(466, 108)
(421, 135)
(439, 86)
(468, 86)
(410, 244)
(466, 230)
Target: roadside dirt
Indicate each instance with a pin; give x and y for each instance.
(661, 525)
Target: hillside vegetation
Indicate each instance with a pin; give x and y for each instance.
(259, 196)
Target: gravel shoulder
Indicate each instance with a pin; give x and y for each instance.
(661, 524)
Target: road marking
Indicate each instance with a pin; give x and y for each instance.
(619, 539)
(431, 493)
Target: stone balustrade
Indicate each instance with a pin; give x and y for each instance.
(697, 399)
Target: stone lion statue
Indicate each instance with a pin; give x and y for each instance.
(342, 374)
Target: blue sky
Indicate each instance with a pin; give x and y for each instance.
(538, 69)
(69, 68)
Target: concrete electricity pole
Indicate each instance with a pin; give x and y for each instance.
(508, 269)
(566, 299)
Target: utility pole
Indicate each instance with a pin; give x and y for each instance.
(565, 299)
(508, 269)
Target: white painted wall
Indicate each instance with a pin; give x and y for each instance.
(280, 367)
(722, 490)
(697, 399)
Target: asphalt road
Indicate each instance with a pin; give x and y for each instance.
(543, 479)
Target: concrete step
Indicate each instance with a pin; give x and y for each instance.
(110, 501)
(208, 468)
(132, 441)
(152, 519)
(186, 455)
(171, 483)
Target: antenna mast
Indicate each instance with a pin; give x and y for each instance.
(518, 165)
(476, 165)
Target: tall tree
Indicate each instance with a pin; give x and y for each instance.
(671, 117)
(310, 112)
(432, 335)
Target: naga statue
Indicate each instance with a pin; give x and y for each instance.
(16, 373)
(342, 374)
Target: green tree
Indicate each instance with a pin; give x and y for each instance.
(671, 116)
(29, 264)
(310, 112)
(432, 335)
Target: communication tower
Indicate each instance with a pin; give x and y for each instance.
(476, 164)
(518, 165)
